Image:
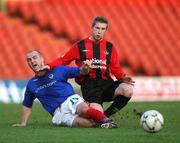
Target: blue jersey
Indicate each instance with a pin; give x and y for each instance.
(52, 89)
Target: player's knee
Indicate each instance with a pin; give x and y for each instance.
(125, 90)
(128, 92)
(96, 106)
(82, 108)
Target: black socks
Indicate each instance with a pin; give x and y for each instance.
(118, 104)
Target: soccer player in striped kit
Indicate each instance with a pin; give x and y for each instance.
(102, 57)
(58, 97)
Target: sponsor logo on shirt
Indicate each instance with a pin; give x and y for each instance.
(45, 86)
(93, 63)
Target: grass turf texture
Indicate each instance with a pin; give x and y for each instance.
(40, 129)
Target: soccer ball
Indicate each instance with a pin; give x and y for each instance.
(152, 121)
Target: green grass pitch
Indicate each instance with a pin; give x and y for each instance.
(40, 129)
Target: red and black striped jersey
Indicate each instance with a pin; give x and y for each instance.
(102, 57)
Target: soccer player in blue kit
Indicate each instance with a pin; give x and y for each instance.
(58, 97)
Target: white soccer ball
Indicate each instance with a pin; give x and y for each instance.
(152, 121)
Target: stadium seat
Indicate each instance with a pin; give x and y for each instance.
(146, 33)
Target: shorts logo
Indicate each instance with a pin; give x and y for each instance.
(74, 100)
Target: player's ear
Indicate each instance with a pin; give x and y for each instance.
(42, 59)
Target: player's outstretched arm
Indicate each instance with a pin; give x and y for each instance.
(25, 116)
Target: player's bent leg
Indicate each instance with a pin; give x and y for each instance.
(84, 110)
(124, 89)
(81, 109)
(122, 95)
(96, 106)
(82, 122)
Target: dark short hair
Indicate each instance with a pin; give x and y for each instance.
(100, 19)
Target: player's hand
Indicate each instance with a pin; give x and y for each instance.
(128, 80)
(19, 125)
(45, 67)
(84, 69)
(42, 71)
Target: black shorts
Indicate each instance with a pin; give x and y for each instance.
(99, 90)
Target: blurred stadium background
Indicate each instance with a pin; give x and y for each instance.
(146, 33)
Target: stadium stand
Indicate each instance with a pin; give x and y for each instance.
(17, 39)
(146, 32)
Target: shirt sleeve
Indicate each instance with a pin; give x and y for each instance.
(66, 59)
(70, 72)
(115, 67)
(28, 98)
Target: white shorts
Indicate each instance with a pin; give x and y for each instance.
(66, 113)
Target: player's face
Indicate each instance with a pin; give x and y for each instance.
(35, 61)
(98, 31)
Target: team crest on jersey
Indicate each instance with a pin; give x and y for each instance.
(51, 76)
